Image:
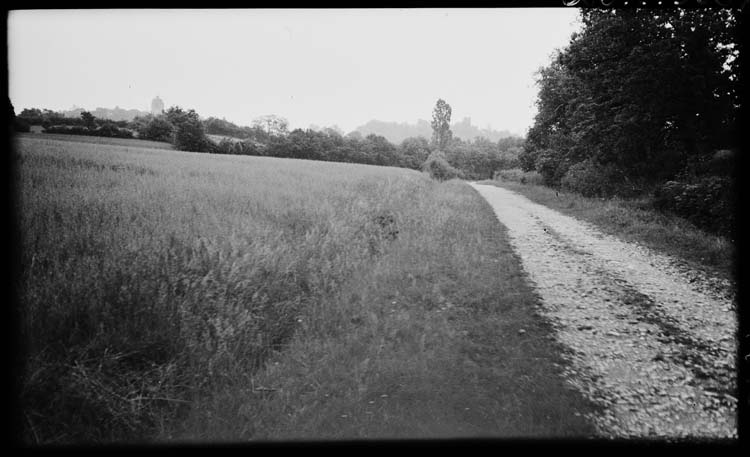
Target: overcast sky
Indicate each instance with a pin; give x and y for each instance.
(323, 67)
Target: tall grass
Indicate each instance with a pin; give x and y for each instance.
(128, 142)
(169, 295)
(437, 337)
(146, 276)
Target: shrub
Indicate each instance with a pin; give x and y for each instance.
(156, 129)
(189, 136)
(439, 168)
(707, 202)
(552, 166)
(106, 130)
(509, 159)
(527, 159)
(520, 176)
(21, 125)
(112, 131)
(590, 179)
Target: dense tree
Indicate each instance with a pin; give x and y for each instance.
(273, 125)
(414, 151)
(16, 124)
(216, 126)
(441, 125)
(156, 128)
(644, 92)
(89, 121)
(189, 134)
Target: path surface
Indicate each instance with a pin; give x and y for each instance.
(653, 344)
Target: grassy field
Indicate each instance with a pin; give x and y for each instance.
(168, 295)
(636, 220)
(127, 142)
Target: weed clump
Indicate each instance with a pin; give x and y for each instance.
(379, 228)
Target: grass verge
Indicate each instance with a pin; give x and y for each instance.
(635, 220)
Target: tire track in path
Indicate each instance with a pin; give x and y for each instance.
(649, 341)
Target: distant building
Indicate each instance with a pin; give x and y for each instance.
(157, 106)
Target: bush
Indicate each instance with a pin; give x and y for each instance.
(590, 179)
(552, 166)
(111, 131)
(156, 129)
(509, 159)
(67, 130)
(107, 130)
(520, 176)
(527, 159)
(707, 202)
(439, 168)
(189, 136)
(21, 125)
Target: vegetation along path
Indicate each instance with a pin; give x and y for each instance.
(654, 346)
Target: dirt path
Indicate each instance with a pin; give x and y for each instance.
(653, 343)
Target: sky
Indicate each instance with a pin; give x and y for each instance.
(324, 67)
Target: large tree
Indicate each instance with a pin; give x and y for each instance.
(441, 125)
(272, 124)
(88, 119)
(189, 133)
(644, 91)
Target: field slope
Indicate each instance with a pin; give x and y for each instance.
(168, 295)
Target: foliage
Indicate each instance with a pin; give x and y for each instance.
(112, 131)
(437, 167)
(414, 151)
(106, 130)
(89, 121)
(16, 124)
(591, 179)
(520, 176)
(708, 202)
(269, 136)
(189, 134)
(441, 125)
(156, 128)
(509, 158)
(599, 98)
(214, 126)
(272, 124)
(552, 166)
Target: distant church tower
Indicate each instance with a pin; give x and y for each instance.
(157, 106)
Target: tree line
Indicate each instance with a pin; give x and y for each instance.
(270, 136)
(644, 101)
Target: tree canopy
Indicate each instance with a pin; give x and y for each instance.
(441, 125)
(646, 92)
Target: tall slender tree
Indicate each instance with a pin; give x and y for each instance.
(441, 125)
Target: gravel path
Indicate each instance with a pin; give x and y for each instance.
(651, 341)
